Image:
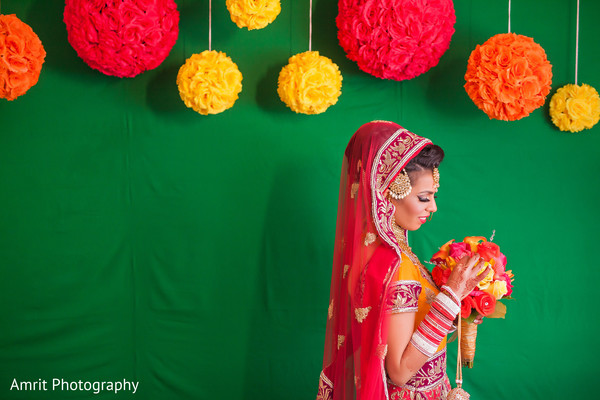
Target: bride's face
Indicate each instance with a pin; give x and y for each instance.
(413, 210)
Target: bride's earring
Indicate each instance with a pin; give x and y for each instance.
(400, 187)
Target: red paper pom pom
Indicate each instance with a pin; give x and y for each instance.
(395, 39)
(21, 57)
(122, 37)
(508, 76)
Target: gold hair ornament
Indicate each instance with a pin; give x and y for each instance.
(436, 178)
(400, 187)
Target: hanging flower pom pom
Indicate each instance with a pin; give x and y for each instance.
(310, 83)
(122, 37)
(395, 39)
(253, 14)
(209, 82)
(508, 76)
(21, 57)
(574, 108)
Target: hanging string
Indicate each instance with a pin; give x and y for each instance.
(310, 27)
(577, 43)
(508, 16)
(209, 25)
(459, 377)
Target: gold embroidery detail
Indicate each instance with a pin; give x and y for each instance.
(404, 296)
(382, 351)
(325, 388)
(330, 309)
(346, 268)
(398, 301)
(354, 190)
(361, 313)
(341, 339)
(370, 238)
(357, 382)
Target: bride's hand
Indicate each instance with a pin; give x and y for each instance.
(467, 274)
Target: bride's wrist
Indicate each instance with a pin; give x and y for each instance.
(451, 293)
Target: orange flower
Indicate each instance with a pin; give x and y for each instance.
(504, 57)
(512, 73)
(443, 253)
(519, 69)
(488, 250)
(488, 53)
(474, 241)
(21, 55)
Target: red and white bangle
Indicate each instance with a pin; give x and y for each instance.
(436, 324)
(449, 291)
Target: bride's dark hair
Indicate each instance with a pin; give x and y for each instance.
(429, 158)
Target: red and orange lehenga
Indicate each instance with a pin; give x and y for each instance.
(374, 275)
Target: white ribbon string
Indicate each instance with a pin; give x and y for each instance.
(508, 16)
(209, 25)
(577, 43)
(310, 27)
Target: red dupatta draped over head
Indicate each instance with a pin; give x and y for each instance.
(366, 256)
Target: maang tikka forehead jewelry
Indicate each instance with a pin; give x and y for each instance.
(400, 187)
(436, 178)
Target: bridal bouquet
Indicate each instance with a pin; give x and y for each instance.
(485, 299)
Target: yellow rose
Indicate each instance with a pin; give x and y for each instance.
(253, 14)
(578, 108)
(497, 289)
(209, 82)
(557, 104)
(574, 108)
(310, 83)
(485, 283)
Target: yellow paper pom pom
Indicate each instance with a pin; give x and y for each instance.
(209, 82)
(253, 14)
(310, 83)
(574, 108)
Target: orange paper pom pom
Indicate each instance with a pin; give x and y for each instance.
(21, 57)
(508, 76)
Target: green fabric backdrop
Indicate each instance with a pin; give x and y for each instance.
(140, 240)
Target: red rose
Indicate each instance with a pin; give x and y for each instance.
(466, 306)
(447, 273)
(129, 13)
(153, 37)
(484, 303)
(459, 250)
(439, 276)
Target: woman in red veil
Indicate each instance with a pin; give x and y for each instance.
(387, 320)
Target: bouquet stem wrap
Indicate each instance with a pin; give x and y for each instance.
(468, 337)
